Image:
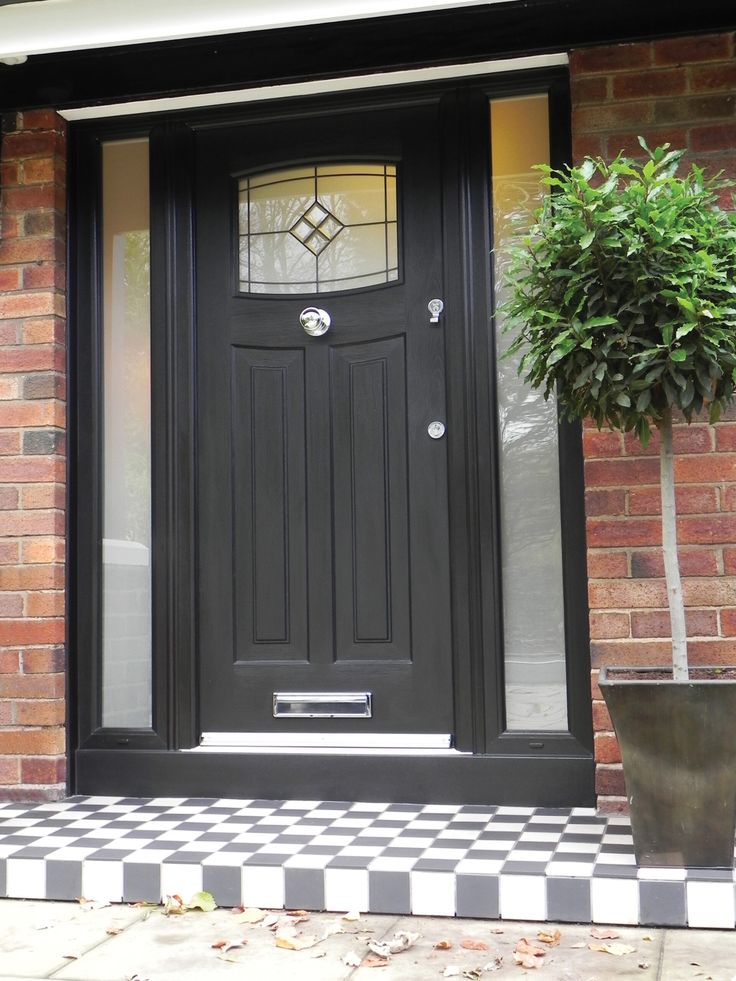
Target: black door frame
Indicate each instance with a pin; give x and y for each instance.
(503, 766)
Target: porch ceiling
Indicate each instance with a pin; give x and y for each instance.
(47, 26)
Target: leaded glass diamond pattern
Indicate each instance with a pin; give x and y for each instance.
(316, 228)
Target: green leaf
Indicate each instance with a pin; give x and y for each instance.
(678, 355)
(623, 399)
(586, 240)
(202, 900)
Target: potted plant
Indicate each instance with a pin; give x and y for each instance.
(623, 305)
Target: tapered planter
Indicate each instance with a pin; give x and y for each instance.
(678, 746)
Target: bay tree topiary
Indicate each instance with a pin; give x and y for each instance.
(623, 305)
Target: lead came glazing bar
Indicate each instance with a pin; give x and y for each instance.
(322, 705)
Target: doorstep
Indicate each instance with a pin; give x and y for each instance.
(518, 863)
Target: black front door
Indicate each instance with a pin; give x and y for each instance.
(323, 549)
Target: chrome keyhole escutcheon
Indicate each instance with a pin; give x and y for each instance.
(436, 430)
(315, 321)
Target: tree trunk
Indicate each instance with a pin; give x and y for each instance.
(669, 550)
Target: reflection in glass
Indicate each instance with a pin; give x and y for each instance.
(126, 545)
(318, 229)
(534, 633)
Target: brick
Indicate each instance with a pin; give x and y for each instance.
(729, 561)
(9, 553)
(628, 531)
(636, 651)
(44, 277)
(689, 500)
(32, 576)
(38, 171)
(693, 562)
(39, 712)
(607, 565)
(716, 529)
(40, 442)
(587, 145)
(721, 136)
(28, 469)
(728, 622)
(31, 197)
(725, 436)
(39, 357)
(37, 413)
(32, 686)
(44, 119)
(26, 632)
(605, 502)
(610, 58)
(656, 623)
(9, 442)
(8, 498)
(707, 47)
(11, 605)
(694, 109)
(44, 386)
(621, 473)
(710, 592)
(45, 604)
(624, 594)
(51, 330)
(9, 662)
(30, 304)
(42, 550)
(610, 781)
(602, 445)
(606, 748)
(9, 280)
(9, 770)
(685, 439)
(19, 145)
(628, 142)
(589, 89)
(46, 223)
(601, 718)
(645, 85)
(42, 496)
(9, 388)
(14, 251)
(715, 466)
(44, 660)
(610, 625)
(711, 78)
(34, 742)
(43, 771)
(603, 119)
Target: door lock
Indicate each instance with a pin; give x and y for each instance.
(315, 321)
(436, 429)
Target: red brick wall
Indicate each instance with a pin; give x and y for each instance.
(682, 91)
(32, 456)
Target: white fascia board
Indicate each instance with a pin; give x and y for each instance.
(74, 25)
(348, 83)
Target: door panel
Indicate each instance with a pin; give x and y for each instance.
(323, 531)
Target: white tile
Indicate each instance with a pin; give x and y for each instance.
(364, 806)
(181, 879)
(26, 878)
(448, 853)
(346, 889)
(334, 840)
(479, 866)
(365, 851)
(560, 819)
(523, 897)
(509, 827)
(406, 842)
(493, 845)
(657, 874)
(614, 858)
(461, 833)
(300, 861)
(615, 900)
(102, 880)
(280, 848)
(71, 853)
(710, 904)
(6, 850)
(263, 887)
(398, 864)
(584, 811)
(530, 854)
(300, 805)
(348, 822)
(515, 810)
(580, 847)
(433, 893)
(440, 808)
(427, 825)
(575, 870)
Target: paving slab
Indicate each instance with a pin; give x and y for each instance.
(689, 955)
(37, 938)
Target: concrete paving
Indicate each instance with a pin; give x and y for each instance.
(95, 942)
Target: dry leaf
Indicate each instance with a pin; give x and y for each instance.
(472, 973)
(528, 960)
(296, 912)
(495, 965)
(604, 933)
(578, 946)
(173, 904)
(375, 960)
(318, 953)
(644, 965)
(451, 971)
(351, 959)
(89, 904)
(225, 945)
(113, 931)
(71, 957)
(551, 939)
(498, 930)
(271, 921)
(251, 915)
(351, 916)
(469, 943)
(287, 938)
(402, 940)
(525, 946)
(647, 938)
(332, 928)
(442, 945)
(618, 950)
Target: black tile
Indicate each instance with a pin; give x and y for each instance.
(662, 904)
(63, 879)
(270, 859)
(614, 871)
(304, 888)
(223, 882)
(35, 851)
(141, 882)
(218, 836)
(477, 896)
(350, 861)
(389, 892)
(523, 868)
(186, 858)
(436, 864)
(109, 855)
(568, 900)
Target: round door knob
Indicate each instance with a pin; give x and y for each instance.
(436, 429)
(315, 321)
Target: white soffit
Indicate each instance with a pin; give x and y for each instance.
(352, 82)
(72, 25)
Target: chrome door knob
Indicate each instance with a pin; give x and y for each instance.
(315, 321)
(436, 430)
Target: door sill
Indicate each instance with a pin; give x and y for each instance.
(361, 744)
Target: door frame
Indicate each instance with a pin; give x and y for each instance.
(489, 764)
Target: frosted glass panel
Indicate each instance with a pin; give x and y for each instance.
(318, 229)
(126, 545)
(531, 548)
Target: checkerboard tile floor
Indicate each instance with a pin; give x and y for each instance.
(521, 863)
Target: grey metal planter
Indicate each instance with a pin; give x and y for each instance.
(678, 746)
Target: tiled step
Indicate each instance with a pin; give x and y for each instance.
(519, 863)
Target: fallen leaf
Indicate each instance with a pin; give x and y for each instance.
(113, 931)
(578, 946)
(136, 977)
(525, 946)
(251, 915)
(470, 943)
(528, 961)
(71, 957)
(89, 904)
(498, 930)
(551, 939)
(226, 945)
(402, 940)
(318, 953)
(173, 905)
(618, 950)
(271, 921)
(495, 965)
(202, 900)
(604, 933)
(351, 916)
(647, 939)
(644, 965)
(296, 912)
(351, 959)
(287, 938)
(451, 972)
(442, 945)
(375, 960)
(472, 973)
(332, 928)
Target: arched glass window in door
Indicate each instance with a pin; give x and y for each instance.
(318, 229)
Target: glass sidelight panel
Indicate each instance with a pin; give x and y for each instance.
(318, 229)
(534, 633)
(126, 545)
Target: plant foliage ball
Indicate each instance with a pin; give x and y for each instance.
(623, 293)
